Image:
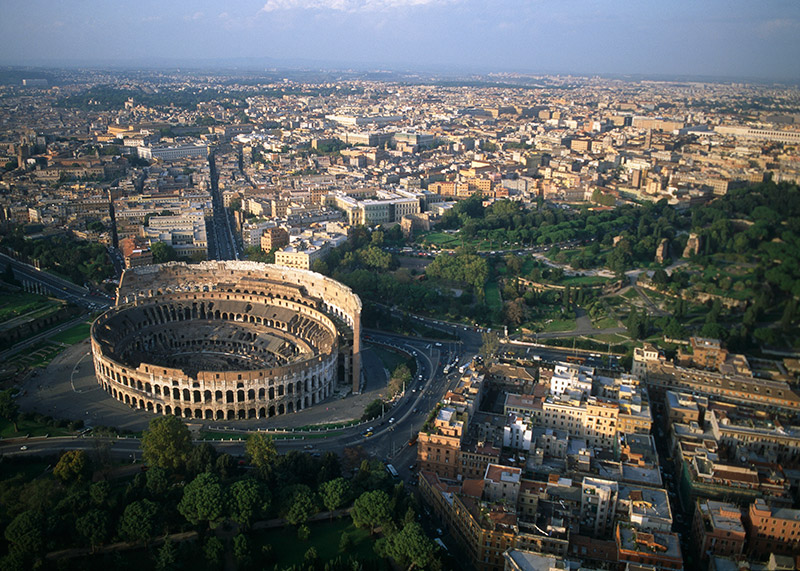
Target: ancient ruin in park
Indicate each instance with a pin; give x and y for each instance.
(227, 340)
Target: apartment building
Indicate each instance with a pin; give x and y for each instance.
(772, 530)
(717, 529)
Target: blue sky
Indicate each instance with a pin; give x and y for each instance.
(732, 38)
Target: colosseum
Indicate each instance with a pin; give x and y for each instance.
(227, 340)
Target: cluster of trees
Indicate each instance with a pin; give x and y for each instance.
(465, 267)
(769, 235)
(401, 378)
(190, 487)
(507, 221)
(750, 249)
(79, 261)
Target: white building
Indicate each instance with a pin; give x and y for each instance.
(172, 153)
(516, 433)
(598, 506)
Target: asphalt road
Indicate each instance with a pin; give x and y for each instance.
(223, 244)
(56, 286)
(68, 389)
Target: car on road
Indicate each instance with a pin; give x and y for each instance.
(391, 420)
(23, 447)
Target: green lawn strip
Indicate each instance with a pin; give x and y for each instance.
(584, 280)
(73, 335)
(604, 323)
(325, 538)
(441, 239)
(630, 294)
(493, 301)
(20, 303)
(217, 435)
(30, 428)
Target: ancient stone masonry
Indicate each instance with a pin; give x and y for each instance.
(227, 340)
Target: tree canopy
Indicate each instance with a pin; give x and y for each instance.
(204, 500)
(166, 443)
(371, 509)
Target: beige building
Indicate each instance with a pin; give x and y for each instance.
(301, 256)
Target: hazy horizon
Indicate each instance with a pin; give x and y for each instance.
(729, 39)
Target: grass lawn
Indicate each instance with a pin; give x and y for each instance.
(493, 300)
(325, 538)
(19, 303)
(604, 323)
(29, 428)
(73, 335)
(584, 280)
(442, 240)
(631, 294)
(215, 435)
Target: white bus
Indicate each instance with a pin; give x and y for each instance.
(392, 471)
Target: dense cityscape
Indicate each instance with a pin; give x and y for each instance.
(515, 321)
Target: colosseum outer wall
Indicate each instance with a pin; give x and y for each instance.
(227, 394)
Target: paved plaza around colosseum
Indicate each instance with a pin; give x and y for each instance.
(68, 388)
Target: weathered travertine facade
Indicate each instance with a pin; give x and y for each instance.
(227, 340)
